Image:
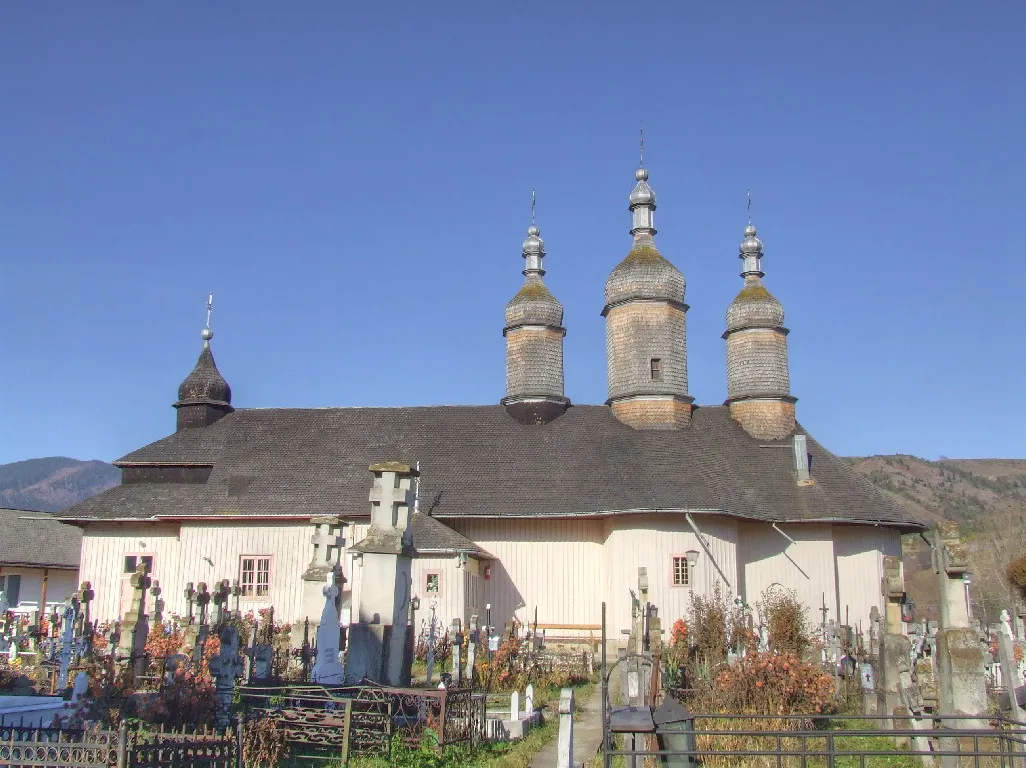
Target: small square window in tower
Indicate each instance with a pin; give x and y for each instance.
(681, 572)
(433, 583)
(657, 369)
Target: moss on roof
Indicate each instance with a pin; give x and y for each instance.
(533, 290)
(754, 291)
(643, 253)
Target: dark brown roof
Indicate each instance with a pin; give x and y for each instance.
(477, 461)
(38, 540)
(431, 535)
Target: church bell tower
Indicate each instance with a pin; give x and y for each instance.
(646, 344)
(534, 342)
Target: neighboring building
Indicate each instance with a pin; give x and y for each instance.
(39, 558)
(532, 506)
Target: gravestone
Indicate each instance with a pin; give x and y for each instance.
(327, 668)
(565, 743)
(226, 668)
(220, 597)
(327, 543)
(529, 700)
(157, 617)
(134, 629)
(81, 686)
(472, 640)
(195, 638)
(456, 643)
(67, 644)
(895, 648)
(378, 643)
(960, 658)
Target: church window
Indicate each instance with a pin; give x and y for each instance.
(433, 583)
(657, 369)
(132, 562)
(256, 576)
(681, 572)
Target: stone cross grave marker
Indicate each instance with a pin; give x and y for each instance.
(84, 595)
(133, 629)
(226, 668)
(67, 644)
(327, 668)
(190, 599)
(221, 594)
(474, 633)
(456, 643)
(157, 619)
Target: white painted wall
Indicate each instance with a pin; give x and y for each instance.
(61, 583)
(859, 551)
(651, 541)
(450, 597)
(556, 565)
(104, 546)
(200, 551)
(806, 566)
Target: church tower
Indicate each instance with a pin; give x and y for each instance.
(758, 384)
(534, 342)
(204, 397)
(646, 344)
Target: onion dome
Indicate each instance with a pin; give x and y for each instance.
(534, 304)
(644, 274)
(643, 194)
(205, 385)
(754, 306)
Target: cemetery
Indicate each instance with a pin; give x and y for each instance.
(728, 683)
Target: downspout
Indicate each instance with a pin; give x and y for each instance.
(42, 596)
(705, 546)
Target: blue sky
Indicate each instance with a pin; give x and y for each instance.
(353, 182)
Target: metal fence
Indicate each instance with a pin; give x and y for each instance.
(57, 747)
(834, 741)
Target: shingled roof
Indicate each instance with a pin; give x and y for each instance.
(476, 461)
(38, 540)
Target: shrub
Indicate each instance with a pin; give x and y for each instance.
(787, 622)
(1016, 573)
(263, 743)
(773, 683)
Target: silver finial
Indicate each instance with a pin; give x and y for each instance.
(208, 334)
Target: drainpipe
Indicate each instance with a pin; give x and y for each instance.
(42, 597)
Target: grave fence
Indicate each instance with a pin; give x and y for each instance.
(61, 747)
(815, 741)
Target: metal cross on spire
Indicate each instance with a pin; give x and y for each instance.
(207, 333)
(641, 150)
(210, 308)
(749, 207)
(533, 205)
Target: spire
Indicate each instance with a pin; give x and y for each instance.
(204, 396)
(642, 205)
(750, 250)
(534, 246)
